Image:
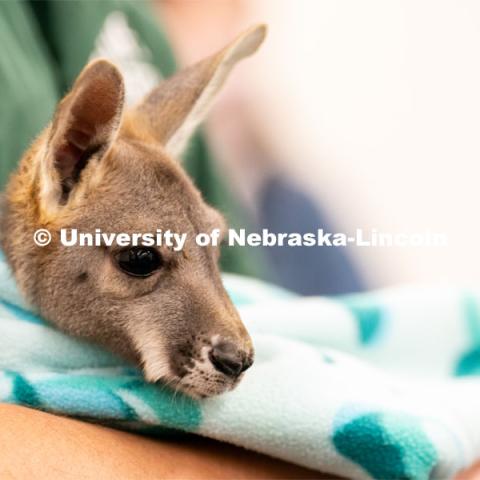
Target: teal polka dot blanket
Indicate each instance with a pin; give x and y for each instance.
(379, 385)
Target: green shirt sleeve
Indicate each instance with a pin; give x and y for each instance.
(28, 92)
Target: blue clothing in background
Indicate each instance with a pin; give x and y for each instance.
(305, 270)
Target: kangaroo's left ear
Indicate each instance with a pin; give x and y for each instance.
(172, 111)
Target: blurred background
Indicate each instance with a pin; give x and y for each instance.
(351, 115)
(371, 109)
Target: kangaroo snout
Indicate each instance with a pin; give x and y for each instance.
(212, 358)
(230, 360)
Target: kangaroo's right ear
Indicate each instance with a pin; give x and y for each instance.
(84, 126)
(171, 112)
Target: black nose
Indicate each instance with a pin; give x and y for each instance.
(228, 359)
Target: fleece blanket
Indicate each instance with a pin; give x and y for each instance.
(379, 385)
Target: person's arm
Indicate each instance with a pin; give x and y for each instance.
(38, 445)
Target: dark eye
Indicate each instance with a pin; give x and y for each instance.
(139, 261)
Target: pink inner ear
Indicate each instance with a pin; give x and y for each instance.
(81, 139)
(85, 121)
(72, 156)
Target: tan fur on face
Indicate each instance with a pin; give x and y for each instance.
(98, 167)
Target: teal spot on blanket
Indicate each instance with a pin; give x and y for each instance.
(387, 445)
(85, 396)
(369, 316)
(171, 409)
(469, 361)
(23, 393)
(115, 400)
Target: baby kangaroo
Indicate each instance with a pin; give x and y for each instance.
(97, 166)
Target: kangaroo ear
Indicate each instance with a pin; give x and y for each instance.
(83, 128)
(173, 110)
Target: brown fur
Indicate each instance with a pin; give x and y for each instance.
(98, 167)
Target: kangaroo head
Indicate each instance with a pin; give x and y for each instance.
(98, 167)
